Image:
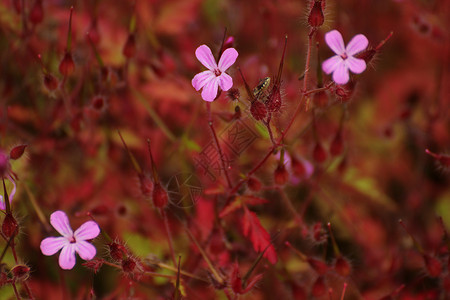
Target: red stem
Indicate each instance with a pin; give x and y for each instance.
(216, 141)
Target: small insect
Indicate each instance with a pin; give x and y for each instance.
(261, 87)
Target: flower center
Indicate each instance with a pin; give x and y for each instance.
(344, 56)
(217, 72)
(72, 240)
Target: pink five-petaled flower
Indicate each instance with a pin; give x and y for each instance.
(344, 58)
(70, 242)
(215, 76)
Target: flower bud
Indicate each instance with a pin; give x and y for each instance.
(258, 110)
(281, 175)
(145, 185)
(10, 226)
(254, 184)
(315, 17)
(50, 82)
(94, 264)
(233, 94)
(337, 145)
(160, 197)
(20, 272)
(129, 49)
(229, 43)
(128, 265)
(342, 266)
(67, 65)
(433, 265)
(273, 102)
(319, 153)
(319, 266)
(319, 289)
(117, 251)
(17, 151)
(37, 13)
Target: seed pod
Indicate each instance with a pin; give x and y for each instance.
(10, 227)
(281, 175)
(160, 197)
(117, 251)
(342, 266)
(50, 82)
(433, 265)
(319, 153)
(319, 288)
(315, 17)
(20, 273)
(337, 145)
(128, 265)
(67, 65)
(37, 13)
(129, 49)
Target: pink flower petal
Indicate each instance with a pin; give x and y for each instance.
(331, 64)
(85, 250)
(2, 203)
(358, 43)
(225, 81)
(60, 222)
(227, 59)
(209, 92)
(356, 65)
(335, 42)
(340, 75)
(51, 245)
(201, 79)
(67, 257)
(204, 55)
(87, 231)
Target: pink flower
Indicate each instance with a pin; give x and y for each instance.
(344, 58)
(70, 242)
(10, 196)
(215, 76)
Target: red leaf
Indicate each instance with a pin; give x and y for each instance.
(259, 237)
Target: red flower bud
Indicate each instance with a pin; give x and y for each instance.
(433, 265)
(37, 13)
(67, 65)
(319, 289)
(319, 153)
(10, 227)
(315, 17)
(160, 197)
(17, 151)
(50, 82)
(273, 102)
(254, 184)
(128, 265)
(319, 266)
(117, 251)
(20, 272)
(94, 264)
(337, 145)
(146, 185)
(258, 110)
(342, 266)
(129, 49)
(234, 94)
(281, 175)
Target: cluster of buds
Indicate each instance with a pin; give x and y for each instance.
(120, 254)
